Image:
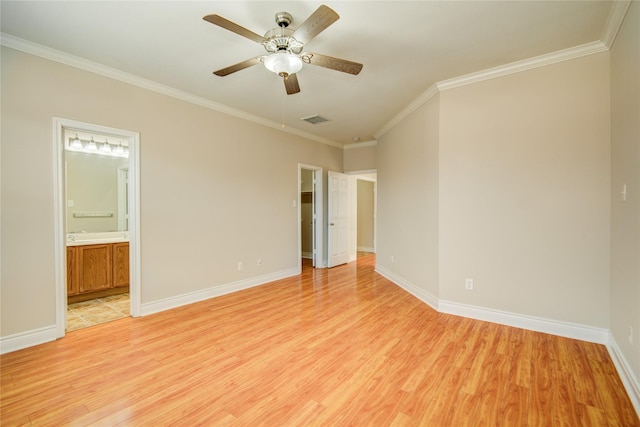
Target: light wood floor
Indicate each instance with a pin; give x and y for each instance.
(332, 347)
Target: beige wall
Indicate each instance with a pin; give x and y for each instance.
(358, 157)
(625, 169)
(407, 209)
(524, 192)
(365, 214)
(505, 182)
(223, 196)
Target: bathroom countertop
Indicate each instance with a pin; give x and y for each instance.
(79, 239)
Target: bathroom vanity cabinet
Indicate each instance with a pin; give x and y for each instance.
(120, 258)
(97, 270)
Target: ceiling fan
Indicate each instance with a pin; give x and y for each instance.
(284, 47)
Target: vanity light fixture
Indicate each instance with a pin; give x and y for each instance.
(106, 147)
(119, 150)
(92, 145)
(76, 143)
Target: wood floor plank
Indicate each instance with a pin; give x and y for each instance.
(541, 396)
(340, 346)
(426, 391)
(489, 410)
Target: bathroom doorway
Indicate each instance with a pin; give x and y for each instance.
(97, 238)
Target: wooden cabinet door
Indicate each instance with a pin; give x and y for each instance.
(72, 271)
(120, 264)
(95, 267)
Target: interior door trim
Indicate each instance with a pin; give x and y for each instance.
(60, 252)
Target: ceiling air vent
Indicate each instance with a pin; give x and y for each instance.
(314, 119)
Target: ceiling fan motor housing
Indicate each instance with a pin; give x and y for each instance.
(279, 39)
(283, 19)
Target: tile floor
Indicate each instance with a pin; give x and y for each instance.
(101, 310)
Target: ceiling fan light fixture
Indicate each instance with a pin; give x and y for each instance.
(283, 62)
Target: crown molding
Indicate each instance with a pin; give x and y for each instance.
(422, 99)
(45, 52)
(492, 73)
(524, 65)
(360, 144)
(614, 21)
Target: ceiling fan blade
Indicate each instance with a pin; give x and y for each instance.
(332, 63)
(315, 24)
(239, 66)
(233, 27)
(291, 84)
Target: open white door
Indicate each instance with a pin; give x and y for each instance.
(338, 208)
(314, 243)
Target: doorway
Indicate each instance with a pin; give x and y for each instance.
(310, 218)
(97, 221)
(366, 213)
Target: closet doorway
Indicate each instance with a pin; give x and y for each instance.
(310, 218)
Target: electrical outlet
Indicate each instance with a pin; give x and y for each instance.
(468, 284)
(259, 262)
(240, 266)
(630, 335)
(393, 259)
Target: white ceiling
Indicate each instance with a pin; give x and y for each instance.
(405, 46)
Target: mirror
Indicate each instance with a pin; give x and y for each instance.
(96, 183)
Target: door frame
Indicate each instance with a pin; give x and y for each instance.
(123, 184)
(318, 255)
(59, 184)
(364, 177)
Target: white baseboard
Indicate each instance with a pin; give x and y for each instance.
(215, 291)
(538, 324)
(42, 335)
(629, 380)
(421, 294)
(532, 323)
(365, 249)
(307, 255)
(28, 339)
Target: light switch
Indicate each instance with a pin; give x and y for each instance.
(623, 193)
(295, 203)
